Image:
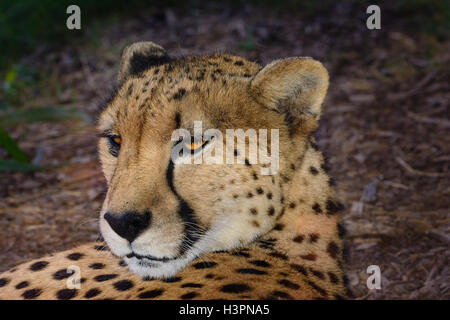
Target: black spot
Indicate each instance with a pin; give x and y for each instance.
(148, 278)
(123, 285)
(61, 274)
(189, 295)
(260, 263)
(333, 249)
(151, 294)
(96, 266)
(333, 207)
(255, 176)
(204, 265)
(249, 195)
(235, 288)
(292, 166)
(279, 295)
(259, 190)
(172, 279)
(313, 237)
(209, 276)
(292, 205)
(317, 288)
(279, 255)
(333, 278)
(299, 268)
(313, 170)
(325, 168)
(309, 256)
(331, 182)
(22, 284)
(288, 284)
(4, 282)
(253, 211)
(341, 231)
(105, 277)
(38, 265)
(269, 195)
(236, 153)
(281, 213)
(92, 293)
(251, 271)
(271, 211)
(180, 93)
(191, 285)
(66, 294)
(241, 254)
(32, 293)
(247, 163)
(278, 227)
(101, 248)
(239, 63)
(317, 273)
(314, 145)
(130, 90)
(316, 207)
(298, 239)
(255, 223)
(265, 245)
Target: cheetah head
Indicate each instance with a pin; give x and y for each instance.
(160, 212)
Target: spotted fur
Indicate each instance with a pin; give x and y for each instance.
(206, 231)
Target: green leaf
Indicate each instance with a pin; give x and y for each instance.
(11, 147)
(13, 165)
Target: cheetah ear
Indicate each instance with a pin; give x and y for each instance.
(140, 56)
(295, 87)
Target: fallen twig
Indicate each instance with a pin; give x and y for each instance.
(439, 235)
(415, 172)
(436, 121)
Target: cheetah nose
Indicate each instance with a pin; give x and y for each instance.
(128, 224)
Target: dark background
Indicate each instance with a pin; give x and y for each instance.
(385, 126)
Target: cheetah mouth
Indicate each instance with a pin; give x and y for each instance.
(148, 257)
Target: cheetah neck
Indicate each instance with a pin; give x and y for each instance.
(307, 231)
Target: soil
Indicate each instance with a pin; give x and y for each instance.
(385, 131)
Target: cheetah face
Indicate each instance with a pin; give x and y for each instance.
(160, 213)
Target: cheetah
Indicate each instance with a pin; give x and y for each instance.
(204, 231)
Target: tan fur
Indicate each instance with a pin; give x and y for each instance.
(298, 242)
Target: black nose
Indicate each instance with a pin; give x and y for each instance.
(129, 224)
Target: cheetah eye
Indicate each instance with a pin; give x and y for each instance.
(114, 144)
(117, 140)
